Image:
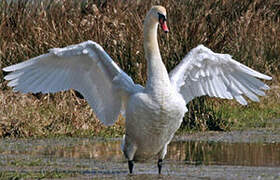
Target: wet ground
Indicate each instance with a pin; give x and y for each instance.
(253, 154)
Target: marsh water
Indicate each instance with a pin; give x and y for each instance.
(192, 157)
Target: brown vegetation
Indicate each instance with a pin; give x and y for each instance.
(248, 30)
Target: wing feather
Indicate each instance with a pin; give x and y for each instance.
(243, 88)
(250, 84)
(85, 67)
(203, 72)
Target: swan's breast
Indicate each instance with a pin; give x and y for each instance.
(152, 121)
(157, 108)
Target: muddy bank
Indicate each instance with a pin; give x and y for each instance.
(253, 154)
(246, 136)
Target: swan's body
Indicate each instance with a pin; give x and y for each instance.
(154, 113)
(152, 120)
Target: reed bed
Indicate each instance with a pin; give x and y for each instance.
(248, 30)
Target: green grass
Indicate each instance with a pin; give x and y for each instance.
(22, 163)
(14, 175)
(252, 116)
(29, 173)
(225, 115)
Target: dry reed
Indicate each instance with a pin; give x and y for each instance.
(249, 30)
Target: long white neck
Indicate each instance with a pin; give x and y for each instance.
(157, 74)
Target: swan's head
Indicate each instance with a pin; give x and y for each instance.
(158, 15)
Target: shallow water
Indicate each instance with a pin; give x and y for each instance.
(189, 152)
(99, 157)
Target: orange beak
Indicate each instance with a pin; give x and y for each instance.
(162, 22)
(164, 27)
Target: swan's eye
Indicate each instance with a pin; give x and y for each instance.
(161, 18)
(162, 22)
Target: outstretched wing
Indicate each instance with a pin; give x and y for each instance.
(203, 72)
(85, 67)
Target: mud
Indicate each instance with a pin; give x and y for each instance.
(253, 154)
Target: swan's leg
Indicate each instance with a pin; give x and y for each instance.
(129, 150)
(160, 162)
(130, 155)
(162, 154)
(130, 166)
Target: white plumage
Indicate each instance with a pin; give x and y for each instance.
(153, 113)
(203, 72)
(85, 67)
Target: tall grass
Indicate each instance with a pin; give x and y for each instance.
(248, 30)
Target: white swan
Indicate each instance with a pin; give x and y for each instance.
(153, 113)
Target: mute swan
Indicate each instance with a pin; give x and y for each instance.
(153, 113)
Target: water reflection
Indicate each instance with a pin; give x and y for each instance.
(191, 152)
(105, 151)
(243, 154)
